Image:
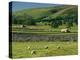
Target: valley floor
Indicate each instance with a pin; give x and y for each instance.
(21, 50)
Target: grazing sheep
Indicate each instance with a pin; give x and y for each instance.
(65, 30)
(46, 47)
(33, 52)
(58, 47)
(28, 47)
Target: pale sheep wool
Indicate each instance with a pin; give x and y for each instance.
(33, 52)
(46, 47)
(28, 47)
(65, 30)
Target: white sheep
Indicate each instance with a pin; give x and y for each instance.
(33, 52)
(28, 47)
(46, 47)
(65, 30)
(58, 47)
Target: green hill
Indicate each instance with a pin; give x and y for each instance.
(54, 15)
(38, 12)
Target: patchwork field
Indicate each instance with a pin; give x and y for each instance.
(24, 49)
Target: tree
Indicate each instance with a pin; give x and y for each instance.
(23, 19)
(56, 23)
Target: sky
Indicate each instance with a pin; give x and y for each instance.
(17, 6)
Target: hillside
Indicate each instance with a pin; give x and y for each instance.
(38, 12)
(52, 15)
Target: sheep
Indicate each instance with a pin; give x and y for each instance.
(58, 47)
(33, 52)
(65, 30)
(46, 47)
(28, 47)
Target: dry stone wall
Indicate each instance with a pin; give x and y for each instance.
(44, 37)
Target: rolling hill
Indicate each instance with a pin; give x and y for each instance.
(47, 14)
(38, 12)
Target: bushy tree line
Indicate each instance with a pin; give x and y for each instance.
(23, 19)
(66, 19)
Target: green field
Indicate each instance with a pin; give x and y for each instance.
(20, 49)
(42, 29)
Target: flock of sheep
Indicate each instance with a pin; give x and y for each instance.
(45, 47)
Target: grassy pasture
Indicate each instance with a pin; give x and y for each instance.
(44, 29)
(19, 49)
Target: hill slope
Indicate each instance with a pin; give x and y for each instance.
(47, 13)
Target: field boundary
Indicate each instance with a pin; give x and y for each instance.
(44, 37)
